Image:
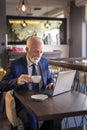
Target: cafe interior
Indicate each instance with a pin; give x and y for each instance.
(62, 24)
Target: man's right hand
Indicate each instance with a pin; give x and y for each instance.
(24, 78)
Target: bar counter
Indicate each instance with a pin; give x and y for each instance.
(14, 55)
(66, 63)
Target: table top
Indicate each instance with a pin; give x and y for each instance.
(64, 105)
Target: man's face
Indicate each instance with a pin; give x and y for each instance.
(34, 52)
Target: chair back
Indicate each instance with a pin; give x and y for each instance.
(2, 73)
(11, 109)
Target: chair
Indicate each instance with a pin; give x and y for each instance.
(2, 105)
(2, 73)
(11, 111)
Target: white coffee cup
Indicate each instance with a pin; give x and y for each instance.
(36, 79)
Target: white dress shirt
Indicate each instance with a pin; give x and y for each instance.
(29, 65)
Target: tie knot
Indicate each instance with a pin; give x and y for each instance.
(34, 65)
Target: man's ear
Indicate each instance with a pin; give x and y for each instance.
(26, 49)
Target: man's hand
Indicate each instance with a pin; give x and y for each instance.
(23, 79)
(50, 86)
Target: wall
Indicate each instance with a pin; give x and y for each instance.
(76, 19)
(63, 48)
(49, 48)
(3, 58)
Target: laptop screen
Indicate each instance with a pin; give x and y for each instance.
(64, 82)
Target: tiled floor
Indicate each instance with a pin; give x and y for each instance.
(79, 128)
(4, 123)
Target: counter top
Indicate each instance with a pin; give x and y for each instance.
(16, 53)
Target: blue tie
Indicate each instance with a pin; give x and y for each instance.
(34, 72)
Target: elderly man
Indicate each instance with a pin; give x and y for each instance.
(19, 77)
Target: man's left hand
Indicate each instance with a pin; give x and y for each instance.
(50, 86)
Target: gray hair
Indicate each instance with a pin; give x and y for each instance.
(28, 42)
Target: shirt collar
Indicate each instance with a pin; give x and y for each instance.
(29, 62)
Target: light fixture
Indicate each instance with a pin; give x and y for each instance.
(23, 7)
(59, 24)
(24, 24)
(47, 24)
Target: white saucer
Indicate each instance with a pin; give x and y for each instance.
(39, 97)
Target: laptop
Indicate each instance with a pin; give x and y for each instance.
(63, 83)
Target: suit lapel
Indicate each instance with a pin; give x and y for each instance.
(25, 69)
(42, 72)
(24, 63)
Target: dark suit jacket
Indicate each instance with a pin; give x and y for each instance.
(18, 67)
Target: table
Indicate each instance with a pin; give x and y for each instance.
(65, 105)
